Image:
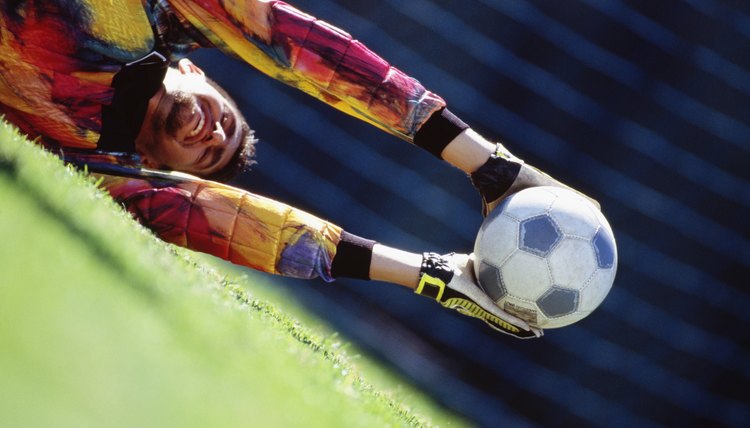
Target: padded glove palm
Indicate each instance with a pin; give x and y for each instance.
(450, 281)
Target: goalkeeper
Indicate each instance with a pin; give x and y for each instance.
(90, 79)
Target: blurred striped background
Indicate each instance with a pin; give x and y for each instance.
(644, 105)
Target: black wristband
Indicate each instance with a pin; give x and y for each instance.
(353, 257)
(439, 130)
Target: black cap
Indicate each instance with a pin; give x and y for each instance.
(134, 85)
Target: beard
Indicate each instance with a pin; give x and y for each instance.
(179, 114)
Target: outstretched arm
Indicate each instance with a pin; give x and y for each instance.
(315, 57)
(329, 64)
(270, 236)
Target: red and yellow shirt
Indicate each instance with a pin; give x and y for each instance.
(58, 59)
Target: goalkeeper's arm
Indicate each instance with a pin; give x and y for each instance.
(273, 237)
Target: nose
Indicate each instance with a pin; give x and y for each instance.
(217, 135)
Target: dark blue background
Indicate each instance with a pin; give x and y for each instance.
(644, 105)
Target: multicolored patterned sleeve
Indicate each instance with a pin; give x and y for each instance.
(315, 57)
(227, 222)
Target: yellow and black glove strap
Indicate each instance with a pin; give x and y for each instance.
(436, 273)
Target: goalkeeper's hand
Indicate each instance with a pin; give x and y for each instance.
(504, 174)
(449, 279)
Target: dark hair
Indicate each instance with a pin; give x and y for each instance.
(242, 158)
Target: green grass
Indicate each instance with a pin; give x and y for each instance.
(101, 324)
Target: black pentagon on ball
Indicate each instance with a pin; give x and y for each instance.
(605, 252)
(491, 281)
(558, 301)
(539, 235)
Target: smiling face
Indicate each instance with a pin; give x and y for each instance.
(190, 126)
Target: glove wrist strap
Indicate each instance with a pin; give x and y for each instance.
(435, 272)
(496, 176)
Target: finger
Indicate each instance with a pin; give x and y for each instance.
(183, 65)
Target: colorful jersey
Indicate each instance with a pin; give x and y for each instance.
(57, 63)
(58, 58)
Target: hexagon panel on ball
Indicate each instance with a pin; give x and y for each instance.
(539, 235)
(573, 263)
(491, 281)
(526, 276)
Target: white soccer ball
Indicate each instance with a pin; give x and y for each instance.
(546, 255)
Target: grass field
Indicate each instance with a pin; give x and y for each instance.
(101, 324)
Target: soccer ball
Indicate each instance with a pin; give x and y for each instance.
(546, 255)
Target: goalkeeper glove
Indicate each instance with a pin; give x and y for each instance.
(450, 281)
(504, 174)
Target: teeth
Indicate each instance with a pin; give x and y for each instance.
(199, 126)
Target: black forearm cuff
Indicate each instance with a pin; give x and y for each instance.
(439, 130)
(353, 257)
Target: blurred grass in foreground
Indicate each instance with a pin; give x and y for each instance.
(101, 324)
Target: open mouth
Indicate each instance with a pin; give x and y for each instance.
(199, 126)
(202, 127)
